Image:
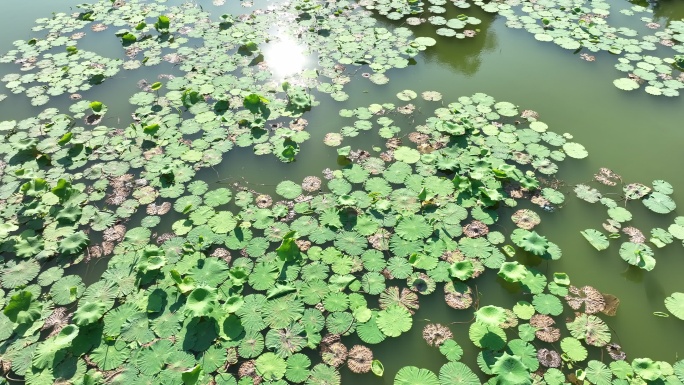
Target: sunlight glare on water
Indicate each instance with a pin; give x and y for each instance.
(285, 56)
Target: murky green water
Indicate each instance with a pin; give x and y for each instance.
(637, 135)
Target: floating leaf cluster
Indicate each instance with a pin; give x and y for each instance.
(636, 249)
(222, 88)
(415, 12)
(525, 345)
(649, 60)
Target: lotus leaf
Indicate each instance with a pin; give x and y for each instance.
(490, 315)
(152, 259)
(413, 227)
(512, 271)
(626, 84)
(217, 197)
(150, 360)
(136, 328)
(67, 289)
(523, 310)
(369, 332)
(351, 242)
(191, 376)
(49, 276)
(73, 243)
(394, 320)
(547, 304)
(461, 270)
(19, 274)
(534, 281)
(620, 214)
(587, 193)
(575, 150)
(340, 186)
(457, 373)
(574, 349)
(297, 369)
(530, 241)
(662, 187)
(636, 190)
(49, 352)
(511, 370)
(270, 366)
(675, 304)
(596, 238)
(598, 373)
(201, 302)
(659, 203)
(223, 222)
(638, 254)
(373, 283)
(646, 368)
(407, 155)
(487, 336)
(678, 369)
(281, 312)
(89, 312)
(591, 329)
(323, 374)
(411, 375)
(22, 309)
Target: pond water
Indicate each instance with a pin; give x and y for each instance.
(637, 135)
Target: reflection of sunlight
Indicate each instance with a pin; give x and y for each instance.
(284, 56)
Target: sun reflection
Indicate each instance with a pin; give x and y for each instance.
(285, 56)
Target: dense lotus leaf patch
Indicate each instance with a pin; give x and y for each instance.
(143, 147)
